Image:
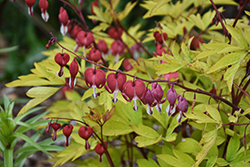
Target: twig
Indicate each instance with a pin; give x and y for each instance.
(218, 14)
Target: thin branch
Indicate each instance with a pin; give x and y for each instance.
(240, 12)
(218, 14)
(242, 90)
(235, 107)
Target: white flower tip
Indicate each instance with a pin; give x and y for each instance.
(63, 29)
(45, 16)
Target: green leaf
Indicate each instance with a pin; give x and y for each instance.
(146, 163)
(200, 117)
(27, 139)
(9, 49)
(145, 131)
(227, 60)
(189, 145)
(129, 6)
(237, 35)
(105, 100)
(211, 161)
(213, 112)
(8, 157)
(210, 139)
(221, 162)
(115, 128)
(39, 94)
(181, 159)
(233, 147)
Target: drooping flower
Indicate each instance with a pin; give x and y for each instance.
(160, 37)
(171, 96)
(182, 107)
(67, 130)
(84, 39)
(95, 78)
(115, 84)
(133, 90)
(30, 4)
(127, 65)
(43, 5)
(117, 49)
(73, 69)
(94, 55)
(85, 133)
(148, 98)
(158, 94)
(55, 126)
(115, 33)
(62, 59)
(99, 149)
(64, 20)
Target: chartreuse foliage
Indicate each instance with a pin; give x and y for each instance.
(12, 129)
(215, 129)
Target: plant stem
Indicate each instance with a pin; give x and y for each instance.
(218, 14)
(235, 107)
(240, 12)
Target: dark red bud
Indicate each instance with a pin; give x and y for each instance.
(67, 130)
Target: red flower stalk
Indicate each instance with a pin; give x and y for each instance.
(73, 69)
(30, 4)
(95, 78)
(67, 130)
(85, 133)
(55, 126)
(115, 84)
(64, 20)
(62, 59)
(133, 90)
(99, 149)
(43, 5)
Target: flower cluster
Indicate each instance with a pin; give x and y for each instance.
(84, 132)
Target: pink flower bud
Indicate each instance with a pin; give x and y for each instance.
(67, 130)
(159, 50)
(99, 149)
(55, 126)
(115, 84)
(94, 4)
(171, 96)
(160, 37)
(158, 94)
(148, 98)
(94, 55)
(30, 4)
(85, 133)
(64, 20)
(62, 59)
(43, 5)
(115, 33)
(133, 90)
(95, 78)
(102, 46)
(182, 107)
(127, 65)
(73, 69)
